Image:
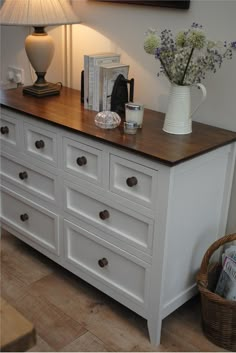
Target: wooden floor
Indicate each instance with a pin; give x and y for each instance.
(71, 316)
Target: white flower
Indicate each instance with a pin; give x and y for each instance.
(180, 39)
(211, 44)
(196, 39)
(152, 42)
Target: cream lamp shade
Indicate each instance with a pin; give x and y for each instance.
(39, 45)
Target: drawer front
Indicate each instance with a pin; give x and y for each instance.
(124, 224)
(82, 160)
(33, 221)
(133, 181)
(117, 269)
(9, 132)
(35, 181)
(40, 143)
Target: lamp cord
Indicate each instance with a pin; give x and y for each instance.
(59, 84)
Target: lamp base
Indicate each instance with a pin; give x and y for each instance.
(50, 90)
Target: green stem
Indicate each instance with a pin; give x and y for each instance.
(164, 67)
(186, 68)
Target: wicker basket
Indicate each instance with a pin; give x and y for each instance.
(218, 314)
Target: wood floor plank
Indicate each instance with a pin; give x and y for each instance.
(193, 332)
(9, 246)
(118, 327)
(16, 260)
(86, 343)
(41, 346)
(70, 294)
(53, 325)
(170, 342)
(25, 258)
(12, 288)
(64, 289)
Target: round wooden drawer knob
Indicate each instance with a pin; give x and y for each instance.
(4, 130)
(132, 181)
(103, 262)
(24, 217)
(23, 175)
(81, 161)
(104, 215)
(39, 144)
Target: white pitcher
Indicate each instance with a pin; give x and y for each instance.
(178, 119)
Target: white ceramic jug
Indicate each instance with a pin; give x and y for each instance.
(178, 117)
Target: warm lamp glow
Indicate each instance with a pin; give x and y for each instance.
(39, 45)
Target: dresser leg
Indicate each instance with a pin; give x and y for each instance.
(154, 329)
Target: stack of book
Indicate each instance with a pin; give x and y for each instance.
(100, 73)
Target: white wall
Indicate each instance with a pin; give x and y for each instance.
(121, 28)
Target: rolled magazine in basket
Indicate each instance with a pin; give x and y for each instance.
(230, 252)
(226, 285)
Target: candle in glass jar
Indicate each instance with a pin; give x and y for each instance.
(134, 112)
(130, 127)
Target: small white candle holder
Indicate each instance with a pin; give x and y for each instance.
(130, 127)
(134, 112)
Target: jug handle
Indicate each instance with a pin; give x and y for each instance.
(204, 94)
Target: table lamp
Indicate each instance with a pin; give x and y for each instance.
(39, 45)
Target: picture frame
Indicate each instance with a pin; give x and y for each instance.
(178, 4)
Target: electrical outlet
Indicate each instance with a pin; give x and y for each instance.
(15, 74)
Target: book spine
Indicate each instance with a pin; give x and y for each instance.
(90, 82)
(104, 91)
(101, 88)
(86, 79)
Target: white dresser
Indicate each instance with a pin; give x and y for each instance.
(133, 223)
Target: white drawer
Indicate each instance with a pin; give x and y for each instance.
(39, 182)
(35, 222)
(82, 160)
(40, 143)
(9, 132)
(117, 269)
(133, 181)
(117, 221)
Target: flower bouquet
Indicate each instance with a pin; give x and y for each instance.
(187, 57)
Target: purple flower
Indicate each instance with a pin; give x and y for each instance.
(233, 45)
(196, 25)
(157, 53)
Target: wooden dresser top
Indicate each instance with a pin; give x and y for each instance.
(66, 110)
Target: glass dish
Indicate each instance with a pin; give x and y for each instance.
(107, 120)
